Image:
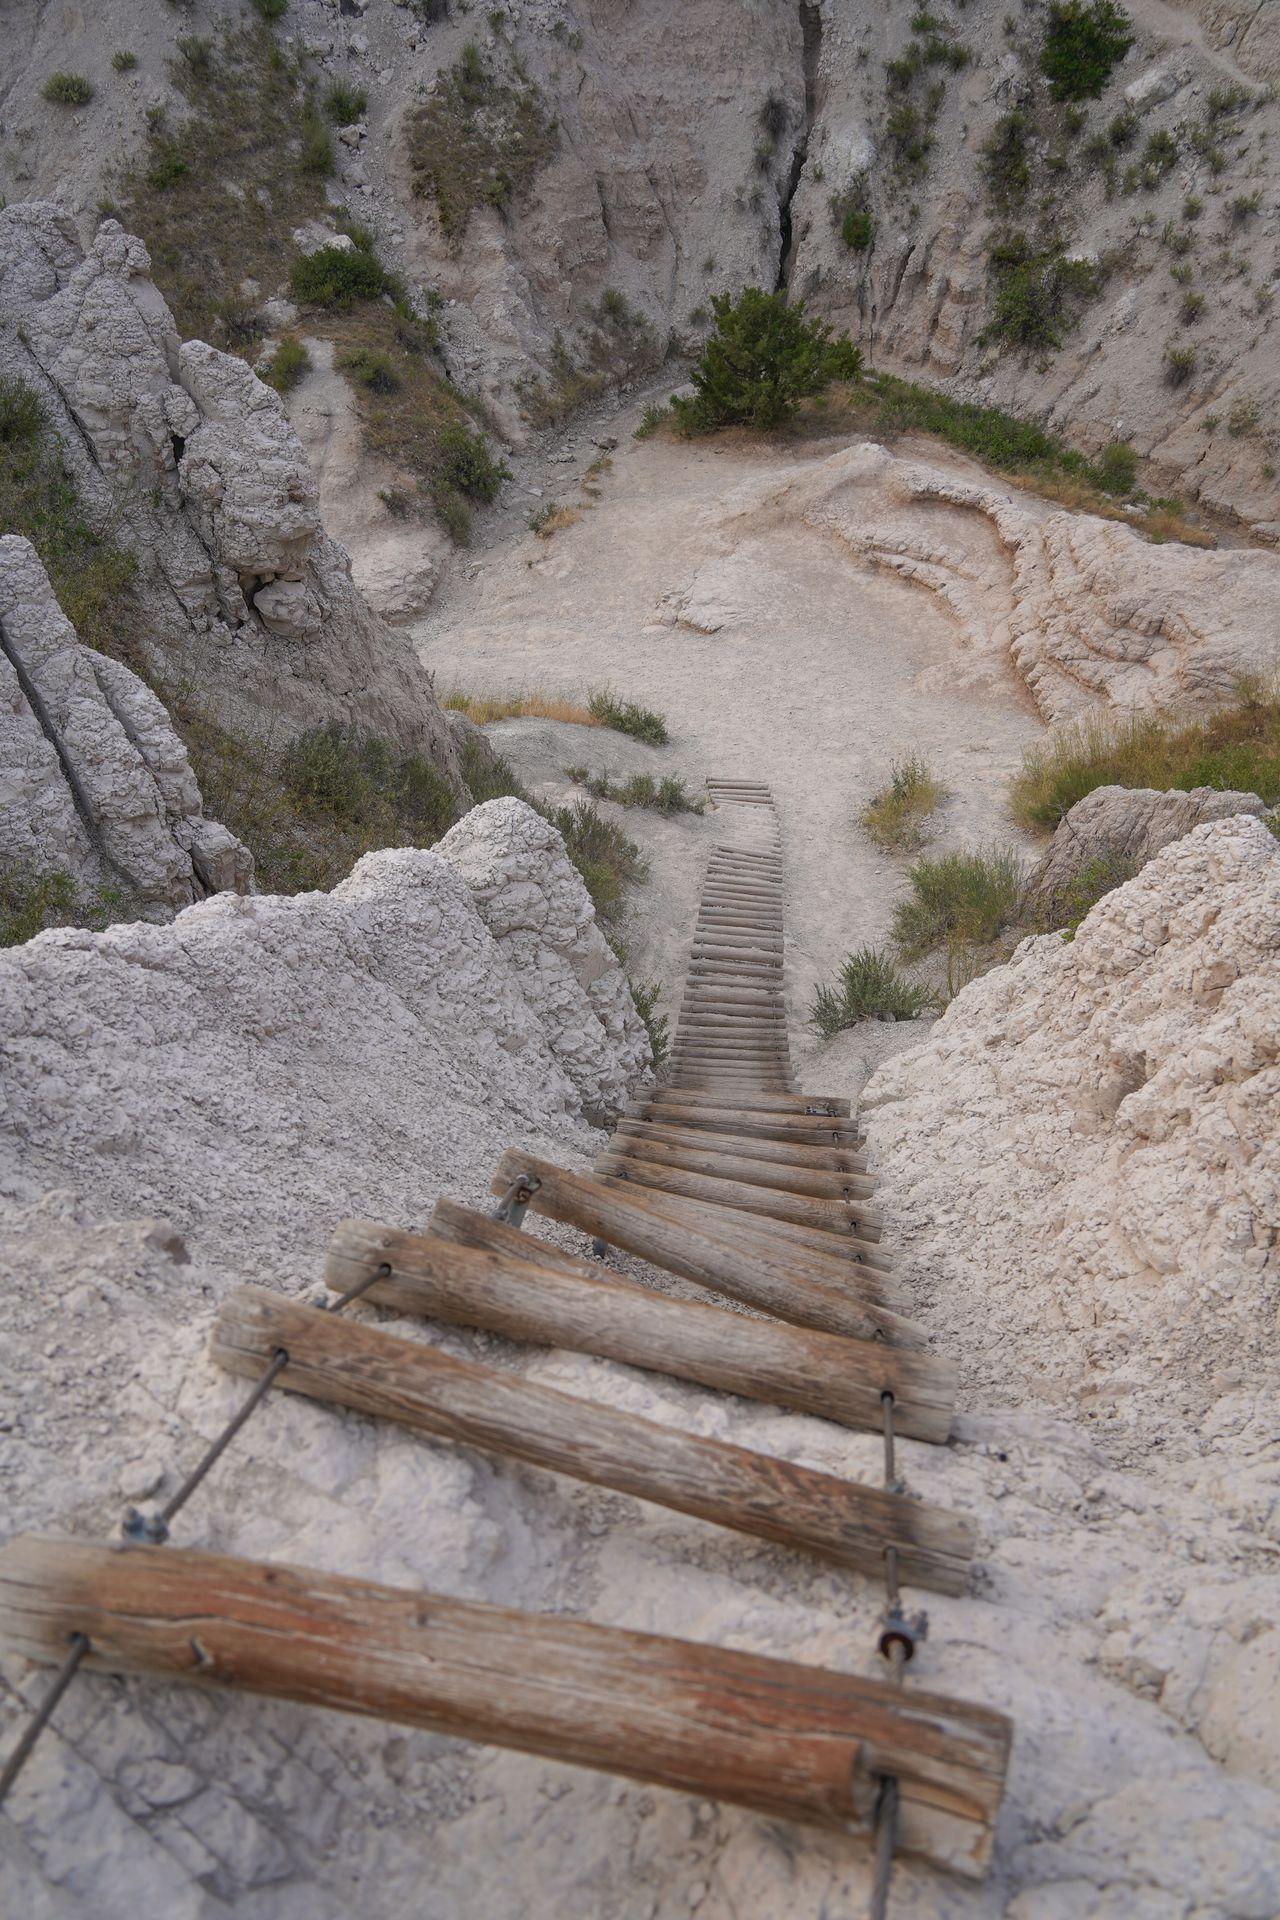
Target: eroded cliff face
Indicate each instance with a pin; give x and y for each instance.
(187, 459)
(683, 151)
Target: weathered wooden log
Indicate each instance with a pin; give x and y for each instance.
(698, 1242)
(836, 1161)
(562, 1302)
(820, 1184)
(790, 1741)
(838, 1218)
(349, 1364)
(803, 1103)
(783, 1127)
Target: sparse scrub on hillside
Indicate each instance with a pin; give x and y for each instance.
(553, 518)
(479, 140)
(345, 105)
(1084, 40)
(852, 217)
(869, 986)
(91, 575)
(1064, 909)
(1236, 749)
(1039, 293)
(289, 363)
(336, 276)
(1179, 363)
(1006, 162)
(608, 861)
(897, 816)
(657, 1025)
(625, 716)
(217, 199)
(667, 795)
(617, 343)
(965, 899)
(68, 89)
(763, 358)
(364, 783)
(484, 708)
(31, 902)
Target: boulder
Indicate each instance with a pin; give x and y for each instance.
(1126, 826)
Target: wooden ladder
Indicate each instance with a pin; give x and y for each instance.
(755, 1193)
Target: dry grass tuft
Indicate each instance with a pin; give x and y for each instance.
(525, 705)
(897, 817)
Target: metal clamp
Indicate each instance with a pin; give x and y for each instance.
(902, 1630)
(515, 1201)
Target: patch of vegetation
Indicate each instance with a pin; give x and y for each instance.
(616, 344)
(32, 902)
(1179, 364)
(374, 371)
(607, 860)
(657, 1025)
(123, 61)
(1006, 162)
(960, 899)
(762, 359)
(1083, 41)
(1236, 749)
(484, 708)
(1190, 307)
(479, 140)
(651, 419)
(1039, 293)
(852, 216)
(1116, 469)
(365, 783)
(1067, 906)
(667, 795)
(345, 105)
(288, 364)
(869, 986)
(897, 816)
(915, 101)
(270, 9)
(216, 200)
(68, 89)
(91, 576)
(553, 518)
(624, 716)
(336, 277)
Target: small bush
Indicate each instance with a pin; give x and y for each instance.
(651, 419)
(624, 716)
(606, 859)
(959, 899)
(317, 146)
(1161, 152)
(467, 464)
(1039, 293)
(1067, 906)
(22, 418)
(30, 902)
(667, 795)
(857, 229)
(374, 370)
(123, 61)
(762, 359)
(336, 277)
(1006, 161)
(360, 779)
(288, 364)
(1116, 469)
(270, 9)
(1243, 208)
(897, 815)
(478, 141)
(870, 986)
(657, 1026)
(345, 105)
(197, 52)
(68, 89)
(1235, 749)
(1190, 308)
(1243, 418)
(1083, 41)
(1179, 364)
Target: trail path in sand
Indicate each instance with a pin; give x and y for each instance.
(823, 672)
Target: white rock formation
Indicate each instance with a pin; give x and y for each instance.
(94, 782)
(1126, 826)
(189, 460)
(1090, 614)
(536, 908)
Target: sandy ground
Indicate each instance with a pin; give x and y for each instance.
(824, 674)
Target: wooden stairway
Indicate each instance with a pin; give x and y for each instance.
(758, 1194)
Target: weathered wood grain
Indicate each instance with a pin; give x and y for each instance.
(557, 1301)
(822, 1184)
(350, 1364)
(840, 1218)
(834, 1160)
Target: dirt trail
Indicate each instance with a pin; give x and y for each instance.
(821, 674)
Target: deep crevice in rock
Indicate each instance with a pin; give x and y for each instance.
(811, 30)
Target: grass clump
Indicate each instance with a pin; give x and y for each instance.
(345, 105)
(1083, 41)
(484, 708)
(1179, 364)
(897, 816)
(288, 364)
(667, 795)
(1039, 293)
(763, 358)
(336, 277)
(624, 716)
(68, 89)
(478, 141)
(363, 782)
(373, 370)
(1006, 162)
(123, 61)
(1236, 749)
(91, 576)
(869, 986)
(958, 900)
(270, 9)
(657, 1025)
(1064, 909)
(30, 902)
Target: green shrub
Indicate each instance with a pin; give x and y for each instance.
(21, 415)
(197, 52)
(857, 229)
(1083, 41)
(288, 364)
(651, 419)
(870, 986)
(317, 147)
(30, 902)
(1067, 906)
(123, 61)
(1179, 364)
(468, 465)
(1190, 308)
(960, 898)
(168, 166)
(374, 370)
(656, 1024)
(345, 105)
(1116, 469)
(761, 360)
(896, 817)
(270, 9)
(624, 716)
(1161, 152)
(667, 795)
(606, 859)
(1235, 749)
(360, 779)
(336, 277)
(1006, 161)
(68, 89)
(1039, 293)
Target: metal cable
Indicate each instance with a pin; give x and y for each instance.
(896, 1646)
(155, 1528)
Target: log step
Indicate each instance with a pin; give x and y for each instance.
(349, 1364)
(473, 1271)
